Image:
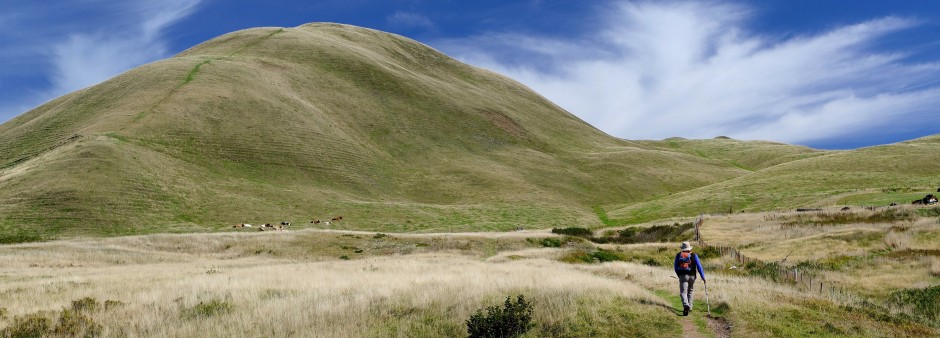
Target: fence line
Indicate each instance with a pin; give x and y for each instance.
(778, 272)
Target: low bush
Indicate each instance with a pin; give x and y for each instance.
(208, 309)
(657, 233)
(921, 302)
(582, 256)
(31, 325)
(73, 323)
(574, 231)
(84, 304)
(550, 242)
(513, 319)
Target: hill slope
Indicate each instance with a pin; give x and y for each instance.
(274, 124)
(878, 175)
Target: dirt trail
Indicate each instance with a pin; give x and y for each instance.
(689, 330)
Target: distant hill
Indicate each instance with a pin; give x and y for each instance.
(873, 176)
(273, 124)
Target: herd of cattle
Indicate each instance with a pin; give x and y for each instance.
(283, 226)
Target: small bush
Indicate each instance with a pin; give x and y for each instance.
(574, 231)
(581, 256)
(651, 262)
(550, 242)
(209, 309)
(344, 257)
(512, 320)
(607, 256)
(85, 304)
(72, 323)
(709, 252)
(3, 313)
(379, 235)
(31, 325)
(657, 233)
(923, 302)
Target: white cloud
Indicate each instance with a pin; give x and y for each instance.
(87, 58)
(82, 44)
(693, 69)
(408, 19)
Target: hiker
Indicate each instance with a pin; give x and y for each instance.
(685, 264)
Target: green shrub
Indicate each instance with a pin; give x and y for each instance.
(550, 242)
(607, 256)
(209, 309)
(582, 256)
(651, 262)
(3, 313)
(923, 302)
(344, 257)
(512, 320)
(31, 325)
(84, 304)
(379, 235)
(574, 231)
(709, 252)
(72, 323)
(657, 233)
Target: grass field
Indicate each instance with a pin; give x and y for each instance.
(352, 283)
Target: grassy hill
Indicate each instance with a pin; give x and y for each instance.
(273, 124)
(875, 176)
(295, 124)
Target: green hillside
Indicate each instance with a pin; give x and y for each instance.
(747, 155)
(875, 176)
(273, 124)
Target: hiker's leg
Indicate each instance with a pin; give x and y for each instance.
(691, 287)
(684, 289)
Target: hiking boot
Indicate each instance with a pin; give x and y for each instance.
(685, 310)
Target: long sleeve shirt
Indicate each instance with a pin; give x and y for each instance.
(698, 265)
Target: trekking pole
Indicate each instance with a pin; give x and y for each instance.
(707, 305)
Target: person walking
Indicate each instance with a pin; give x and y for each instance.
(686, 264)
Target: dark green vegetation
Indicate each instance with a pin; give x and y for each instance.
(272, 124)
(67, 322)
(511, 320)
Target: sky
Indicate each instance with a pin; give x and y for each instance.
(826, 74)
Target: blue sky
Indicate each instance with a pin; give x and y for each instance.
(828, 74)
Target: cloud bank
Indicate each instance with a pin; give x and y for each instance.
(89, 43)
(652, 70)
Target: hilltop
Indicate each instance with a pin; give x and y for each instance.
(273, 124)
(295, 124)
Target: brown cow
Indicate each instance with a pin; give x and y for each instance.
(337, 218)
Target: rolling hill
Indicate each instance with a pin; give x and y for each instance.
(272, 124)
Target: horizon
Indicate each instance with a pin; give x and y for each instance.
(809, 73)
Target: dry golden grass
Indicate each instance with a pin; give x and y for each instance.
(295, 284)
(162, 279)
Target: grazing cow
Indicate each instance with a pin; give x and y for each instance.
(337, 218)
(267, 225)
(239, 225)
(285, 223)
(327, 223)
(893, 204)
(315, 221)
(846, 209)
(938, 189)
